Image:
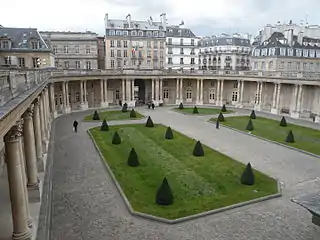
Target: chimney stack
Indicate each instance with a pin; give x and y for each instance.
(128, 18)
(106, 20)
(300, 38)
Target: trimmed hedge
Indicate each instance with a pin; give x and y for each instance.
(249, 125)
(221, 117)
(104, 126)
(164, 194)
(283, 122)
(198, 150)
(149, 122)
(223, 109)
(116, 140)
(253, 115)
(95, 115)
(133, 113)
(195, 110)
(247, 177)
(181, 106)
(169, 133)
(133, 160)
(290, 137)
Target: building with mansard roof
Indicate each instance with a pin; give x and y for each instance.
(229, 52)
(24, 48)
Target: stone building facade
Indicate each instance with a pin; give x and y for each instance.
(133, 44)
(225, 52)
(101, 52)
(182, 49)
(24, 48)
(73, 50)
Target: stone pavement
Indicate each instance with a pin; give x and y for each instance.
(87, 205)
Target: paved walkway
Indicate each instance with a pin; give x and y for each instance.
(86, 204)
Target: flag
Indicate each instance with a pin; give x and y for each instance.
(134, 49)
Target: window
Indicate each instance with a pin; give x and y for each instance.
(55, 49)
(88, 65)
(165, 93)
(298, 52)
(211, 95)
(7, 60)
(181, 61)
(35, 62)
(270, 65)
(112, 64)
(77, 97)
(118, 63)
(170, 50)
(22, 62)
(111, 43)
(192, 42)
(235, 85)
(155, 44)
(118, 43)
(161, 64)
(189, 94)
(77, 64)
(5, 44)
(192, 61)
(65, 49)
(234, 96)
(77, 49)
(66, 64)
(112, 53)
(35, 45)
(56, 63)
(87, 49)
(181, 41)
(125, 53)
(148, 62)
(161, 45)
(305, 53)
(125, 43)
(117, 94)
(272, 51)
(161, 54)
(149, 44)
(155, 34)
(290, 52)
(192, 52)
(181, 51)
(170, 61)
(169, 41)
(125, 33)
(148, 53)
(118, 53)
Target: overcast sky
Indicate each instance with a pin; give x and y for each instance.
(204, 17)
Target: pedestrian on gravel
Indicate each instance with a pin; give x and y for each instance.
(152, 105)
(75, 125)
(217, 124)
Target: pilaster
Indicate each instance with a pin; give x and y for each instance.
(106, 102)
(16, 184)
(161, 91)
(123, 91)
(152, 89)
(181, 90)
(201, 92)
(178, 91)
(38, 136)
(68, 108)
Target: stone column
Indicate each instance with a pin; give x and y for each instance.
(101, 93)
(37, 134)
(16, 184)
(157, 90)
(85, 93)
(221, 92)
(218, 93)
(152, 89)
(161, 91)
(260, 93)
(42, 123)
(201, 92)
(299, 98)
(181, 89)
(24, 177)
(64, 105)
(278, 97)
(294, 98)
(132, 90)
(81, 94)
(47, 108)
(52, 101)
(31, 157)
(177, 92)
(123, 91)
(274, 96)
(241, 92)
(128, 90)
(68, 108)
(44, 108)
(198, 93)
(106, 93)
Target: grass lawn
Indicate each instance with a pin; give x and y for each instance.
(113, 115)
(307, 139)
(202, 111)
(198, 183)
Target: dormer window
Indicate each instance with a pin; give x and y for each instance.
(290, 52)
(5, 44)
(272, 51)
(282, 51)
(34, 45)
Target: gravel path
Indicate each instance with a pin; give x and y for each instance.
(86, 204)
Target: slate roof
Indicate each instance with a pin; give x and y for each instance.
(143, 25)
(224, 40)
(176, 31)
(20, 37)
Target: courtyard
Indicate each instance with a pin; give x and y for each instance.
(87, 205)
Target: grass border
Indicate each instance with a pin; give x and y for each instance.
(128, 119)
(268, 140)
(175, 109)
(183, 219)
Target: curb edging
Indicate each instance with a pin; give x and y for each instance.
(270, 141)
(183, 219)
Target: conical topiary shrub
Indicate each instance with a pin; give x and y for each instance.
(124, 107)
(198, 150)
(195, 110)
(133, 160)
(283, 122)
(104, 126)
(223, 109)
(149, 122)
(247, 177)
(253, 115)
(133, 113)
(164, 194)
(95, 115)
(221, 117)
(290, 137)
(169, 133)
(181, 106)
(249, 125)
(116, 140)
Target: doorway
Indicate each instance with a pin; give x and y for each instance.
(140, 91)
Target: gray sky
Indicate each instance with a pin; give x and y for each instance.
(204, 17)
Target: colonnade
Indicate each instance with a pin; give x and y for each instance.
(26, 144)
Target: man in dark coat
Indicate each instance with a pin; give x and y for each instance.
(152, 105)
(75, 125)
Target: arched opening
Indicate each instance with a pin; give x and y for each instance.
(140, 91)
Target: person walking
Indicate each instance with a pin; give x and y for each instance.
(152, 105)
(75, 125)
(217, 124)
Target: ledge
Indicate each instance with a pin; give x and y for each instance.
(270, 141)
(178, 220)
